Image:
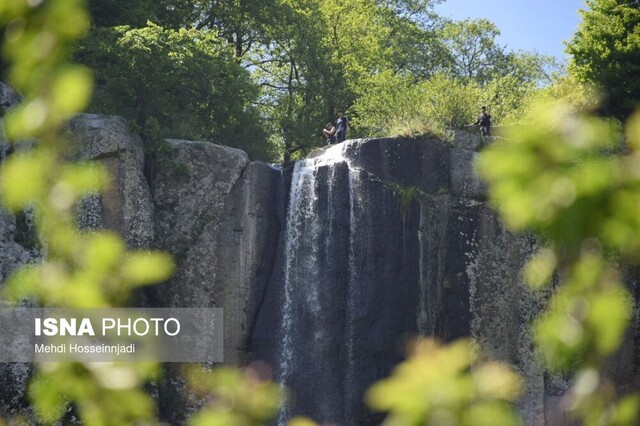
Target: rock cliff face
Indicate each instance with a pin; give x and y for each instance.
(212, 209)
(324, 270)
(216, 213)
(387, 239)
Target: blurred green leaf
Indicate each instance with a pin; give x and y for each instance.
(539, 270)
(490, 414)
(147, 267)
(626, 411)
(434, 383)
(23, 179)
(236, 397)
(71, 91)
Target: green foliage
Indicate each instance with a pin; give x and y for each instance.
(368, 37)
(474, 71)
(392, 104)
(563, 174)
(165, 159)
(588, 315)
(407, 195)
(236, 397)
(177, 83)
(473, 50)
(530, 67)
(136, 13)
(574, 94)
(243, 23)
(567, 176)
(605, 51)
(104, 393)
(553, 176)
(37, 55)
(309, 59)
(109, 13)
(297, 77)
(434, 386)
(451, 103)
(473, 53)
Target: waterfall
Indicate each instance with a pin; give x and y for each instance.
(311, 261)
(353, 279)
(299, 210)
(347, 282)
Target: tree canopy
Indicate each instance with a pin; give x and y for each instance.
(174, 83)
(266, 76)
(605, 51)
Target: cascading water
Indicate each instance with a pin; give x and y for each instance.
(342, 251)
(308, 260)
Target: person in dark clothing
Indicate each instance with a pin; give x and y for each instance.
(342, 126)
(329, 132)
(484, 121)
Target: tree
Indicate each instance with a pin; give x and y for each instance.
(306, 59)
(473, 51)
(244, 24)
(530, 67)
(174, 83)
(108, 13)
(368, 37)
(136, 13)
(605, 51)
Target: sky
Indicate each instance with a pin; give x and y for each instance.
(533, 25)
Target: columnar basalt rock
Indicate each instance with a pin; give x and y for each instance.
(216, 214)
(389, 238)
(212, 209)
(245, 254)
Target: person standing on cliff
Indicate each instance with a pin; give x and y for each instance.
(342, 126)
(484, 121)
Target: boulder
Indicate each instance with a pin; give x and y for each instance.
(216, 214)
(190, 188)
(126, 207)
